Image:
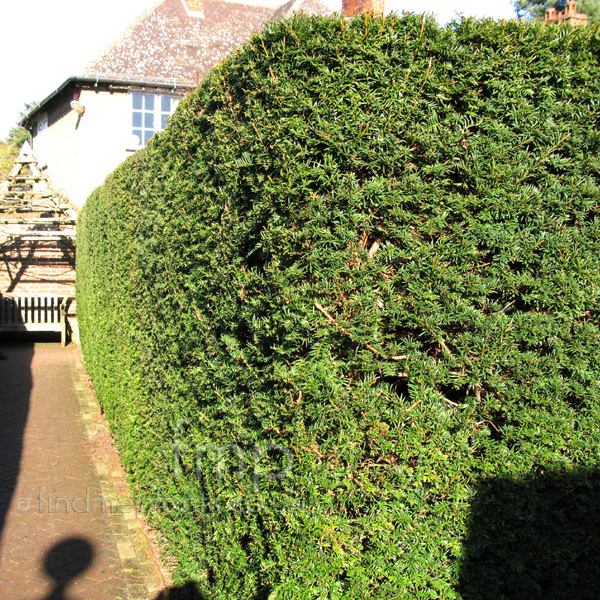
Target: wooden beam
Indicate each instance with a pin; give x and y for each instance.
(47, 221)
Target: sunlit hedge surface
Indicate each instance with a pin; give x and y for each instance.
(351, 285)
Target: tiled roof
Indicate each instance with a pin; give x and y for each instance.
(167, 46)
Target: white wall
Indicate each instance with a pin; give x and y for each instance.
(81, 150)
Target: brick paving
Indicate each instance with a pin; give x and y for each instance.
(58, 539)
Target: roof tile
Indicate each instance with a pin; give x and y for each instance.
(166, 45)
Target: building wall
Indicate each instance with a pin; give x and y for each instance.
(37, 268)
(81, 150)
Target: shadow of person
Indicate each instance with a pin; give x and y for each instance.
(190, 591)
(183, 592)
(65, 562)
(536, 538)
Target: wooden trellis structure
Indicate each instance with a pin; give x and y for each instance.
(30, 210)
(37, 250)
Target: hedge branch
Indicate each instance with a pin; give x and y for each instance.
(539, 162)
(348, 334)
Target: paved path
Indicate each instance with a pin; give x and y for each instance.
(63, 535)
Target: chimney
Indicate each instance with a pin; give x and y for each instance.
(194, 8)
(570, 15)
(355, 7)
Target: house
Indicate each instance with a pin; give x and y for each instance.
(87, 126)
(95, 119)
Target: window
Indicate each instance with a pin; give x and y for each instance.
(40, 141)
(150, 113)
(42, 125)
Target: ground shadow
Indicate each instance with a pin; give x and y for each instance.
(65, 562)
(536, 538)
(15, 391)
(184, 592)
(190, 591)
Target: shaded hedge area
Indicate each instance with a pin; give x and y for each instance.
(356, 276)
(534, 538)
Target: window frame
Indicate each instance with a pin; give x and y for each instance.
(148, 115)
(42, 125)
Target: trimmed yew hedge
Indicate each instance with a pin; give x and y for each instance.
(356, 277)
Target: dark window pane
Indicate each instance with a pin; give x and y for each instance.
(137, 119)
(149, 120)
(147, 136)
(149, 101)
(138, 135)
(163, 121)
(165, 104)
(137, 101)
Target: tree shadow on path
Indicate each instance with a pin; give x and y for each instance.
(536, 538)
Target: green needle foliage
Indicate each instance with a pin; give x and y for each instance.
(355, 277)
(9, 150)
(8, 155)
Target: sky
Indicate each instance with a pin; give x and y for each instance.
(42, 43)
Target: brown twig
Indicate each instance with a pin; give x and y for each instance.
(376, 245)
(450, 402)
(445, 347)
(414, 405)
